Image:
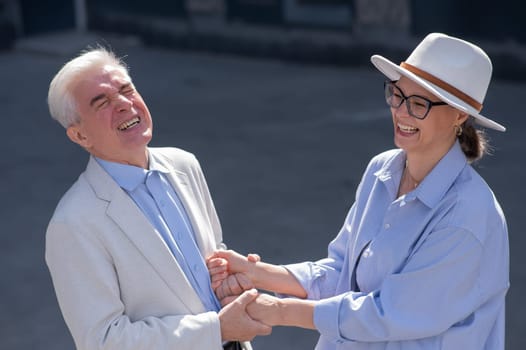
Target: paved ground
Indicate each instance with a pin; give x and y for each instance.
(282, 145)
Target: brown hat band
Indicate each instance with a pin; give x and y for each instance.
(442, 84)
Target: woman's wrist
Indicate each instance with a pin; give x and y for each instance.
(256, 273)
(296, 312)
(266, 276)
(274, 278)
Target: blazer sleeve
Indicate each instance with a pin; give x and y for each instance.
(87, 288)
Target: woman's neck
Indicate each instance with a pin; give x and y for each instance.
(416, 169)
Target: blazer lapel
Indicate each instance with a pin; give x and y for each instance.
(134, 224)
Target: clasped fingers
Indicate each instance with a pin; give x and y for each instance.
(233, 285)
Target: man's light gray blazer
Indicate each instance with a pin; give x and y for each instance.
(116, 281)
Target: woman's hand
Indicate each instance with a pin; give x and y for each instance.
(223, 263)
(266, 309)
(275, 278)
(229, 273)
(274, 311)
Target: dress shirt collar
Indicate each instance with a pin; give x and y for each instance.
(435, 184)
(441, 178)
(130, 176)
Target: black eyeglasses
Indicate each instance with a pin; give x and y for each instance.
(417, 106)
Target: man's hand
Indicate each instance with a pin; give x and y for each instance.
(233, 285)
(236, 324)
(218, 269)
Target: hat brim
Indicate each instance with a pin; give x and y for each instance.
(394, 72)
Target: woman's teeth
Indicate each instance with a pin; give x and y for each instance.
(407, 128)
(128, 124)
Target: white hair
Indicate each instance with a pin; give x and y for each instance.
(60, 99)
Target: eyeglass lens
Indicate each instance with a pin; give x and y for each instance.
(417, 106)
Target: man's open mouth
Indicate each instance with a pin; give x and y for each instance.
(129, 124)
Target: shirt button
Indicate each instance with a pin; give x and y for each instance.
(387, 226)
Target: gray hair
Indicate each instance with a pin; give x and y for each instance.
(60, 99)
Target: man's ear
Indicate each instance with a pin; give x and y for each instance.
(76, 135)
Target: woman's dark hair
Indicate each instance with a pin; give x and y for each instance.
(473, 141)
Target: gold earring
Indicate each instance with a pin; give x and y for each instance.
(459, 130)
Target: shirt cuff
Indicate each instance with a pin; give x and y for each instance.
(326, 318)
(307, 274)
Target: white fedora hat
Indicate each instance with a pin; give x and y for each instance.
(452, 69)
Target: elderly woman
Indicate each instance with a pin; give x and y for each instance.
(421, 261)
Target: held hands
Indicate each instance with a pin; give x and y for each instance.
(271, 311)
(263, 311)
(231, 273)
(236, 324)
(266, 309)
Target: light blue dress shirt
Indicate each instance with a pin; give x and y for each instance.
(157, 199)
(433, 265)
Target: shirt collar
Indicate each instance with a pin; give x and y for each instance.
(130, 176)
(435, 185)
(391, 172)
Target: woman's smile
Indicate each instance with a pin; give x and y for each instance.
(406, 129)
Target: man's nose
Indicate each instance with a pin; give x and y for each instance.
(122, 103)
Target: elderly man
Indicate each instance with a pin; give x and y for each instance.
(127, 242)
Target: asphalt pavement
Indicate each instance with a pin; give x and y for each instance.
(283, 146)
